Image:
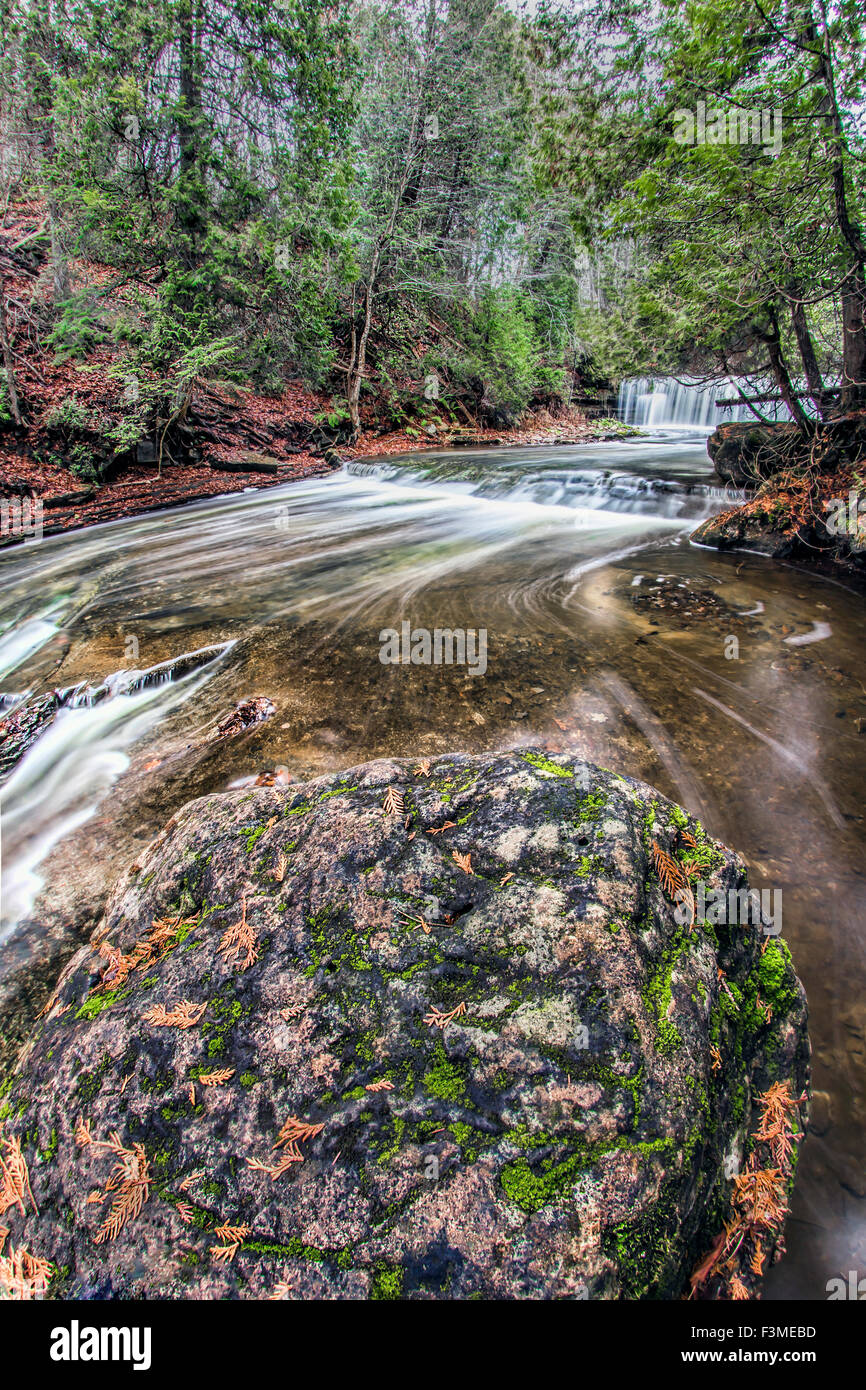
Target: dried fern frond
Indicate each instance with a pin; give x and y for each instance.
(295, 1131)
(437, 1019)
(276, 1170)
(216, 1078)
(189, 1180)
(232, 1235)
(82, 1134)
(761, 1197)
(224, 1254)
(393, 803)
(159, 939)
(777, 1103)
(95, 1199)
(670, 873)
(281, 1290)
(260, 1167)
(422, 768)
(23, 1276)
(280, 867)
(238, 943)
(14, 1177)
(440, 829)
(294, 1012)
(287, 1159)
(779, 1123)
(184, 1211)
(186, 1014)
(463, 861)
(383, 1085)
(131, 1179)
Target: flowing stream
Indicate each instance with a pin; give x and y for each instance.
(735, 684)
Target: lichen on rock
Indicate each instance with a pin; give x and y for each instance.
(416, 1052)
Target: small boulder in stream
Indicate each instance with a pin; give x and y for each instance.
(425, 1030)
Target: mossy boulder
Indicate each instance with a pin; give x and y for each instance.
(449, 1006)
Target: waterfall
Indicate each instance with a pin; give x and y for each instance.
(663, 403)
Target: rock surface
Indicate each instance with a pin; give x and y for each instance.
(447, 1005)
(745, 454)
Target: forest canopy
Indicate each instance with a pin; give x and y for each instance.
(442, 209)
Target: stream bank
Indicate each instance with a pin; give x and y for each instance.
(807, 494)
(134, 488)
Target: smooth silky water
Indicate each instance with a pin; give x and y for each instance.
(608, 636)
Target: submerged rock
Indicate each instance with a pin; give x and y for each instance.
(425, 1030)
(29, 716)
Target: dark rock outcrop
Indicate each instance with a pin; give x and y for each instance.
(424, 1030)
(808, 505)
(745, 454)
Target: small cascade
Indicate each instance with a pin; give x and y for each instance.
(665, 496)
(664, 403)
(64, 750)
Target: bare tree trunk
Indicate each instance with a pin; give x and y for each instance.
(8, 360)
(814, 379)
(355, 374)
(773, 341)
(59, 267)
(853, 394)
